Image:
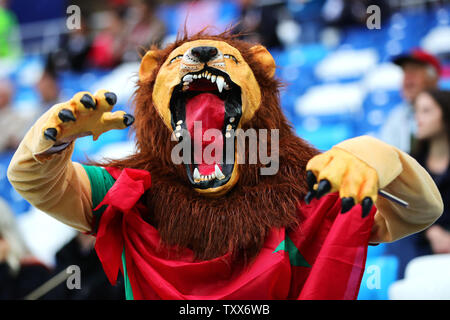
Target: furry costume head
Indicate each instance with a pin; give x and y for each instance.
(174, 91)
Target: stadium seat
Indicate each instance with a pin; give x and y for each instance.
(347, 64)
(86, 147)
(376, 251)
(17, 204)
(378, 276)
(426, 277)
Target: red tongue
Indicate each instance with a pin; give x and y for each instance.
(208, 110)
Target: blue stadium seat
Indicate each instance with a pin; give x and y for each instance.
(376, 251)
(376, 108)
(86, 147)
(445, 84)
(17, 204)
(301, 55)
(379, 274)
(326, 135)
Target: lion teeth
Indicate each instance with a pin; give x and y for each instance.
(187, 78)
(218, 173)
(220, 82)
(196, 175)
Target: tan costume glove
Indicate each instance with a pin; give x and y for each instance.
(41, 169)
(359, 167)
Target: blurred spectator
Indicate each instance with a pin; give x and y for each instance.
(107, 47)
(144, 29)
(14, 124)
(258, 22)
(20, 273)
(48, 87)
(421, 72)
(94, 283)
(249, 22)
(73, 49)
(432, 151)
(10, 45)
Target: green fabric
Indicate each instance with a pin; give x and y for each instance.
(295, 257)
(128, 291)
(101, 181)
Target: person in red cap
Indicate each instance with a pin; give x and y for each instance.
(421, 72)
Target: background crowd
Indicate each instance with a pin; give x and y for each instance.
(343, 78)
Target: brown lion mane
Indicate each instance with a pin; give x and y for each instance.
(239, 221)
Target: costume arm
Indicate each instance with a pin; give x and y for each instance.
(52, 183)
(41, 169)
(400, 175)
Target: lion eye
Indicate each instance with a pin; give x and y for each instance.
(176, 58)
(229, 56)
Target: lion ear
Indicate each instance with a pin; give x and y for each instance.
(263, 56)
(148, 64)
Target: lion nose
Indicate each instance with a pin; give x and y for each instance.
(204, 54)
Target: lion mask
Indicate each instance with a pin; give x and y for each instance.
(210, 82)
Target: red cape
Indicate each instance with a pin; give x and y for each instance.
(323, 259)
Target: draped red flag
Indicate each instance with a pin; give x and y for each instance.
(323, 259)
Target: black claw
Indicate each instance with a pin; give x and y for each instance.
(366, 206)
(323, 187)
(310, 179)
(50, 134)
(309, 196)
(128, 119)
(66, 115)
(347, 204)
(88, 102)
(111, 98)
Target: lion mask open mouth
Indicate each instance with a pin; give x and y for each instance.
(210, 99)
(206, 85)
